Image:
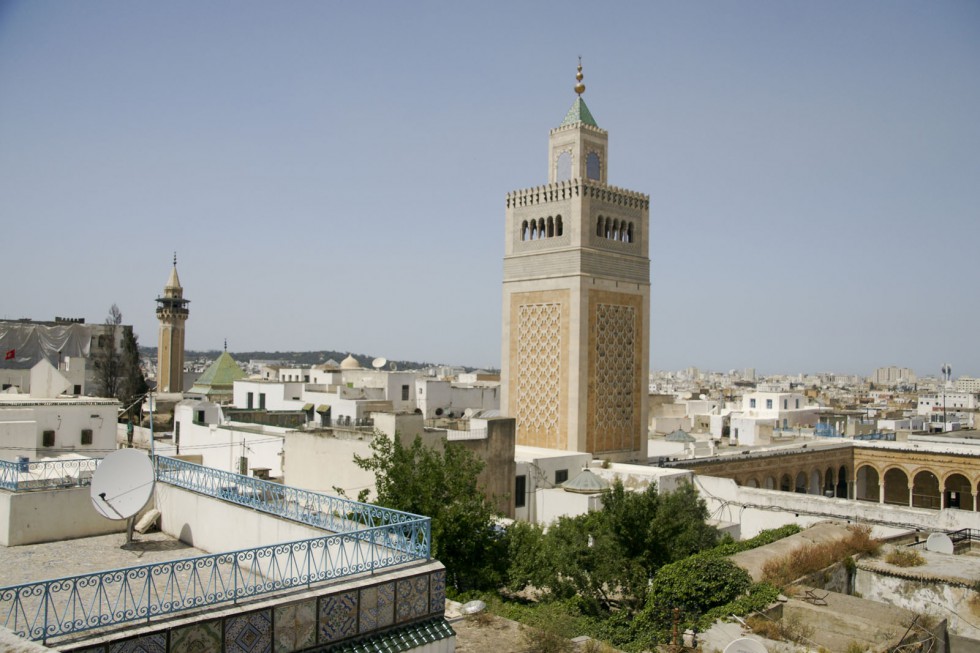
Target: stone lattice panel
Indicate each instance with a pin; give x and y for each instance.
(615, 349)
(539, 357)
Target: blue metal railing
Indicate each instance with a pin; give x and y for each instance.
(824, 430)
(62, 606)
(365, 538)
(876, 436)
(24, 475)
(330, 513)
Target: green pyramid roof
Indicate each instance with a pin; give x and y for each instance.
(586, 483)
(222, 373)
(578, 113)
(680, 436)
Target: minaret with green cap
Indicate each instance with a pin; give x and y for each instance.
(576, 301)
(578, 145)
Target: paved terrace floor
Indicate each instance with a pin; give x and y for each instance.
(36, 562)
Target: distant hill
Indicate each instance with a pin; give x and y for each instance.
(301, 358)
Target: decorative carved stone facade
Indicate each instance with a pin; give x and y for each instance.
(576, 302)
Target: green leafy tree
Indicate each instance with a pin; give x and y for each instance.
(693, 586)
(443, 486)
(607, 558)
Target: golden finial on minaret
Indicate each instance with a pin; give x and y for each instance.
(580, 87)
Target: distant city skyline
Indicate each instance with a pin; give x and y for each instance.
(333, 176)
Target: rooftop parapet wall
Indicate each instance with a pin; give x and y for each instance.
(564, 190)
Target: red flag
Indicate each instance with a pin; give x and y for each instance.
(10, 354)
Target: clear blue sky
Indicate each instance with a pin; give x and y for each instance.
(333, 174)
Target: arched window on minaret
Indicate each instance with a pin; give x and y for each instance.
(629, 233)
(541, 228)
(592, 167)
(551, 227)
(558, 227)
(525, 232)
(598, 227)
(615, 230)
(608, 229)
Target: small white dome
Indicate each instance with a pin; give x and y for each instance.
(350, 363)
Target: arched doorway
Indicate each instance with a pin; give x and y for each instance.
(770, 483)
(842, 483)
(925, 491)
(815, 482)
(786, 483)
(867, 486)
(800, 483)
(896, 487)
(957, 492)
(828, 483)
(751, 483)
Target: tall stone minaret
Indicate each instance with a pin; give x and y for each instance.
(172, 312)
(576, 301)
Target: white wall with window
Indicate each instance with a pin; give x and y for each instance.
(47, 428)
(200, 430)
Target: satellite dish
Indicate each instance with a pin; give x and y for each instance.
(392, 366)
(746, 645)
(379, 362)
(122, 484)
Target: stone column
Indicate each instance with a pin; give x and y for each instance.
(881, 491)
(910, 495)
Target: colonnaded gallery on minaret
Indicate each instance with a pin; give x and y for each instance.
(576, 301)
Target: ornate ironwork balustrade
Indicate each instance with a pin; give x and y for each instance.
(324, 511)
(62, 606)
(363, 538)
(25, 475)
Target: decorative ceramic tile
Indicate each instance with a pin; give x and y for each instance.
(413, 598)
(338, 616)
(92, 649)
(437, 589)
(377, 607)
(202, 637)
(152, 643)
(250, 632)
(295, 626)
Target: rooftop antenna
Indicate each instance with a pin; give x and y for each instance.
(122, 486)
